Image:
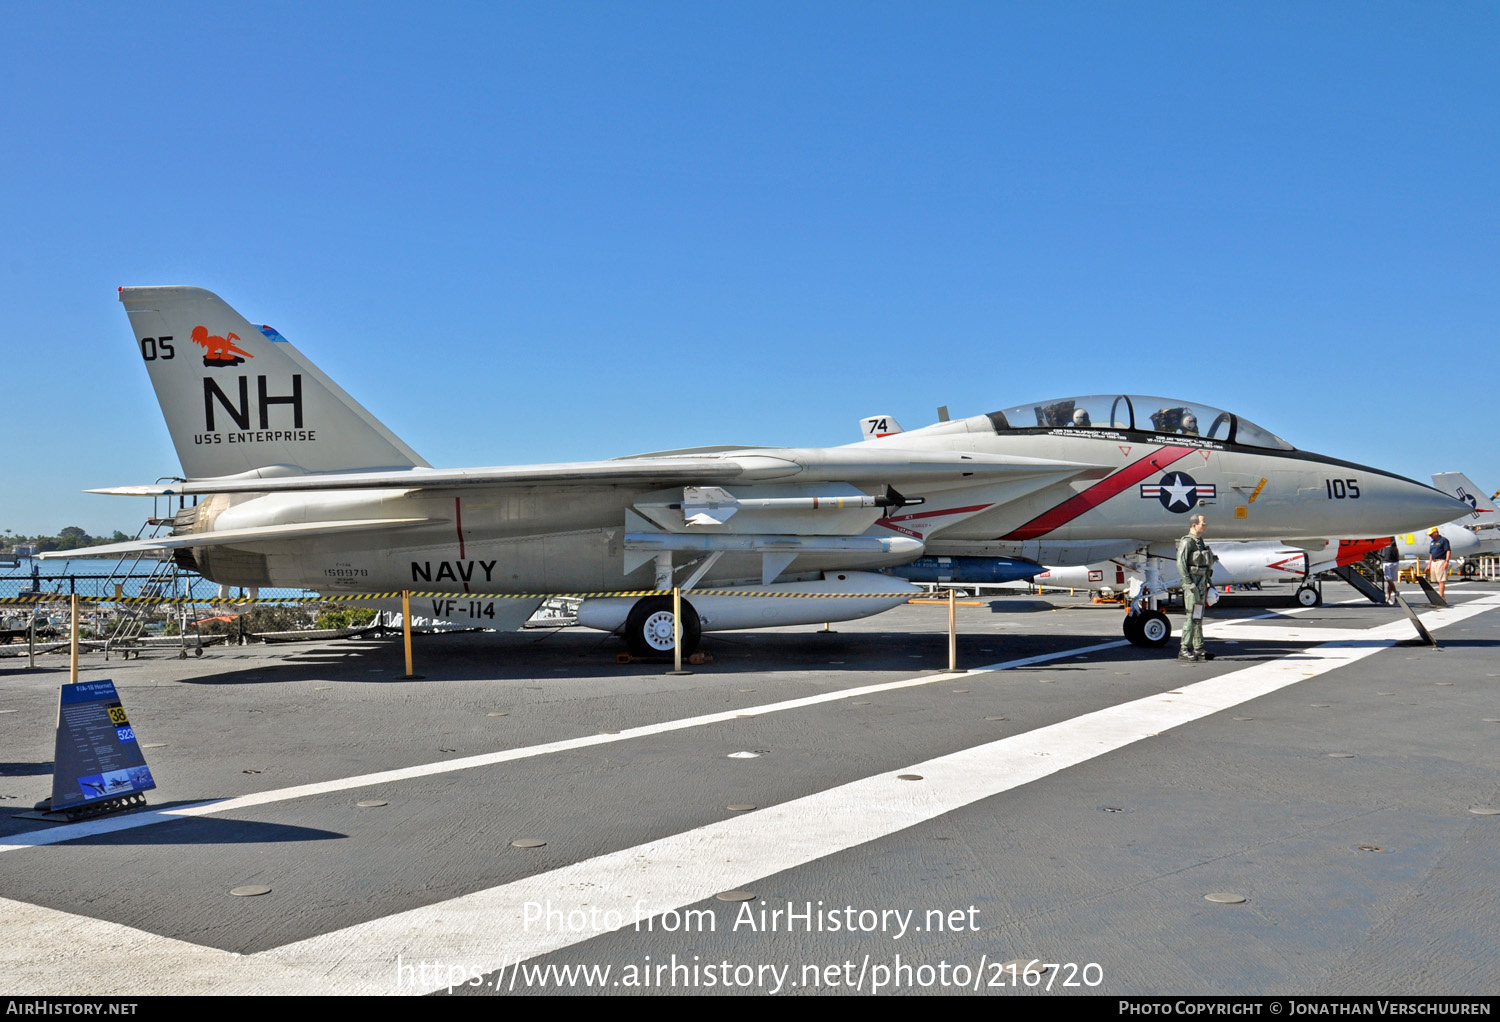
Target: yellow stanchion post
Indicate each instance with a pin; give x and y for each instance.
(677, 632)
(73, 640)
(953, 633)
(406, 634)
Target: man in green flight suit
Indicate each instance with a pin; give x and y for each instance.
(1195, 565)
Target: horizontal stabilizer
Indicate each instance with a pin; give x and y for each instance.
(239, 537)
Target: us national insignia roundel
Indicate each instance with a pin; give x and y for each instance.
(1178, 492)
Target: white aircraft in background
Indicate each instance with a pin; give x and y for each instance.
(1240, 563)
(1245, 563)
(304, 488)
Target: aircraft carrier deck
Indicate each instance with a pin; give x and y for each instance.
(547, 820)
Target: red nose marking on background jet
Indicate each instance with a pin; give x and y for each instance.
(1103, 490)
(1352, 551)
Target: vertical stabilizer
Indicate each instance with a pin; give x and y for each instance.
(238, 397)
(1458, 484)
(873, 427)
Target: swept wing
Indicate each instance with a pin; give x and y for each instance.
(855, 465)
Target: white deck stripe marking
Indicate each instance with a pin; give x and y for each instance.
(93, 828)
(52, 953)
(485, 930)
(1295, 633)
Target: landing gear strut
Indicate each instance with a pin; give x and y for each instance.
(648, 628)
(1144, 625)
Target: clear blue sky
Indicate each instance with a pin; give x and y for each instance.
(536, 232)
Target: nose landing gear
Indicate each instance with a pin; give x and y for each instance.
(1148, 628)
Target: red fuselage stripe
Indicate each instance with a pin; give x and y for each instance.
(1104, 489)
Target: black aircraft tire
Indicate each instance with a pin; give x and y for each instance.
(1308, 596)
(1155, 629)
(1150, 629)
(648, 628)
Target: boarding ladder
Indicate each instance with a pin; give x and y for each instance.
(163, 579)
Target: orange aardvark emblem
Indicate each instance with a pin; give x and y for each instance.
(219, 351)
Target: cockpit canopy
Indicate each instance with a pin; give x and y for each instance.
(1135, 412)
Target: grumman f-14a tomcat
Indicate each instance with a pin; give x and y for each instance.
(302, 487)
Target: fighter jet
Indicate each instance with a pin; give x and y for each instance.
(302, 487)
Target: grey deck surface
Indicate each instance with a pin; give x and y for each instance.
(1363, 873)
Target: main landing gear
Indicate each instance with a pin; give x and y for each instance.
(648, 628)
(1149, 628)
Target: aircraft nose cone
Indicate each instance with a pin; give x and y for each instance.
(1406, 506)
(1462, 541)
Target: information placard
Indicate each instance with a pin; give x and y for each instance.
(97, 754)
